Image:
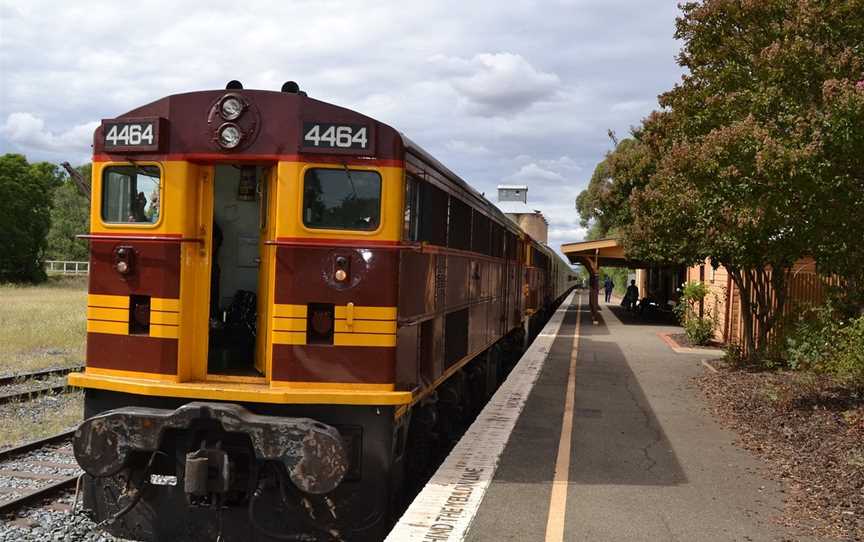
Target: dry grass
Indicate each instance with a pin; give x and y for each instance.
(42, 326)
(39, 418)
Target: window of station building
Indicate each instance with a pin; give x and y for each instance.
(131, 194)
(433, 215)
(459, 225)
(341, 199)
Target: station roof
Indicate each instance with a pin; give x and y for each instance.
(602, 252)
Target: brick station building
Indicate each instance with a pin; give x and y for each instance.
(723, 303)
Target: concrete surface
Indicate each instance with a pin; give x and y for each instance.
(648, 462)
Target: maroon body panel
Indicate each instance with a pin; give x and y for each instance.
(155, 271)
(325, 363)
(132, 353)
(304, 275)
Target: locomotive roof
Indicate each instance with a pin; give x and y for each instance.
(275, 120)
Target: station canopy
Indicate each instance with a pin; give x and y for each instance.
(602, 252)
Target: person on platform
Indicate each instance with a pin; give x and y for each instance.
(608, 286)
(631, 298)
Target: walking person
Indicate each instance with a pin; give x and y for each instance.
(631, 298)
(608, 286)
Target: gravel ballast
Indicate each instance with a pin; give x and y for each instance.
(44, 524)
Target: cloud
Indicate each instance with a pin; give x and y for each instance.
(495, 91)
(497, 83)
(464, 147)
(533, 172)
(634, 105)
(27, 132)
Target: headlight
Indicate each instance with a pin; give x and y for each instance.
(231, 108)
(229, 135)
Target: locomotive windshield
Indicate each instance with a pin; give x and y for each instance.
(130, 194)
(342, 199)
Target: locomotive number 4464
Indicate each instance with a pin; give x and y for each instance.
(335, 136)
(129, 134)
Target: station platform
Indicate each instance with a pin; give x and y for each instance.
(598, 434)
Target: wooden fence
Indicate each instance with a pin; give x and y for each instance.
(805, 289)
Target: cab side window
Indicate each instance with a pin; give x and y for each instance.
(131, 194)
(342, 199)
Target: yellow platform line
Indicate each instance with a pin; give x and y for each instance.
(561, 479)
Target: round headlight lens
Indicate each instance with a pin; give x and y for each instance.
(229, 135)
(231, 108)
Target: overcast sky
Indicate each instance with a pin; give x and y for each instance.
(500, 91)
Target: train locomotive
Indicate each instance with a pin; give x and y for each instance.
(293, 311)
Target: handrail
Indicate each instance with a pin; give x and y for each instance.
(342, 243)
(150, 238)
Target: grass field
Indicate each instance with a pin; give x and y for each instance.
(40, 417)
(42, 326)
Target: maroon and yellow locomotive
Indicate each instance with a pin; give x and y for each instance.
(292, 311)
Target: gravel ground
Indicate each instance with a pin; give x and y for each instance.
(54, 461)
(50, 521)
(46, 524)
(40, 417)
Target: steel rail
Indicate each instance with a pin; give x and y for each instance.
(35, 444)
(16, 378)
(40, 492)
(26, 395)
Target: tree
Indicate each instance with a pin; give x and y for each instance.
(765, 141)
(604, 204)
(755, 159)
(70, 216)
(25, 206)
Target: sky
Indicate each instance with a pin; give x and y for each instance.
(499, 91)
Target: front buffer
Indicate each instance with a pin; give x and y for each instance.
(209, 471)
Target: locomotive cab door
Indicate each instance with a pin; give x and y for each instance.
(240, 277)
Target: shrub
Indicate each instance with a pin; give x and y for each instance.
(699, 329)
(822, 343)
(809, 344)
(848, 363)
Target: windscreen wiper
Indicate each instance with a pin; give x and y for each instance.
(351, 180)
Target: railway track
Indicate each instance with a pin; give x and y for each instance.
(21, 390)
(37, 470)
